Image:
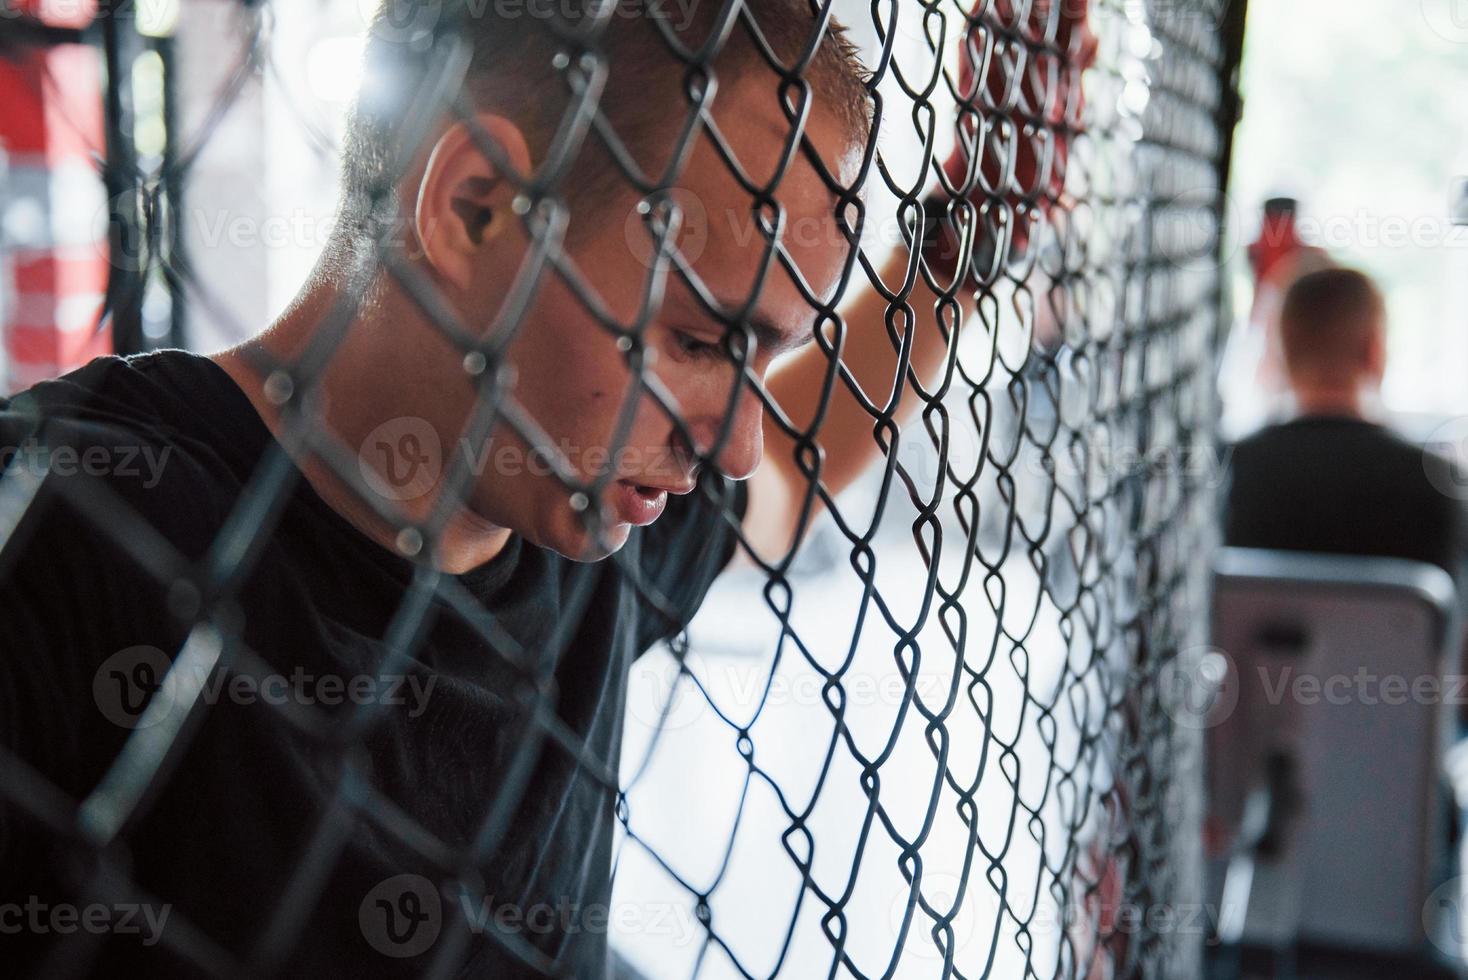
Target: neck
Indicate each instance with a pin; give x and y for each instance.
(1330, 400)
(360, 388)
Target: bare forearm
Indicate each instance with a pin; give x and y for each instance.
(847, 434)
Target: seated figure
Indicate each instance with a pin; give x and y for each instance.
(1331, 479)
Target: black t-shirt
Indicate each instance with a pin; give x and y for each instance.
(309, 810)
(1340, 486)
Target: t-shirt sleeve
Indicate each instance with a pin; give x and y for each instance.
(683, 552)
(74, 489)
(70, 598)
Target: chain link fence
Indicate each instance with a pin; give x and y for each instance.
(931, 717)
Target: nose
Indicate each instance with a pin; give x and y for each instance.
(743, 446)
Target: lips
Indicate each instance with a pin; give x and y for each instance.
(635, 503)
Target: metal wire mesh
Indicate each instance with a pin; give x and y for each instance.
(936, 739)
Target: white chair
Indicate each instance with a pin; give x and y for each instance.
(1343, 672)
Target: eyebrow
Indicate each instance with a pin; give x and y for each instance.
(774, 340)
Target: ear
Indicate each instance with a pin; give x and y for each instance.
(463, 200)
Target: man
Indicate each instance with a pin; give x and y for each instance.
(1332, 480)
(492, 498)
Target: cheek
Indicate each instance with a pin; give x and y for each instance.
(568, 372)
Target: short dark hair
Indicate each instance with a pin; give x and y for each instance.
(1328, 322)
(513, 72)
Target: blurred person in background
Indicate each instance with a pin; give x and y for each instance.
(1255, 384)
(1331, 479)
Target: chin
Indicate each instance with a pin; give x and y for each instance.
(578, 544)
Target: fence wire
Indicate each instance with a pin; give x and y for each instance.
(924, 724)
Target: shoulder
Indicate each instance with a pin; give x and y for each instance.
(1400, 461)
(1263, 445)
(105, 501)
(104, 447)
(1323, 432)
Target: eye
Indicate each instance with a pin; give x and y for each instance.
(699, 350)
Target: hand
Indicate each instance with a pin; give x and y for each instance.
(1021, 62)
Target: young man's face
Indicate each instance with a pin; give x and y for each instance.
(575, 383)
